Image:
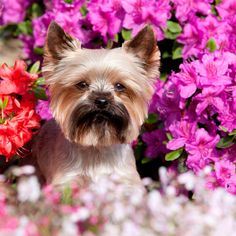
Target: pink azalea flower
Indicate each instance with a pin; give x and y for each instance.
(182, 132)
(105, 17)
(142, 12)
(185, 80)
(200, 150)
(185, 9)
(226, 8)
(43, 110)
(154, 141)
(212, 71)
(224, 170)
(211, 96)
(13, 11)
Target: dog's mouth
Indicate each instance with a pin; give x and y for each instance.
(83, 120)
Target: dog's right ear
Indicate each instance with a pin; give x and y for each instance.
(57, 43)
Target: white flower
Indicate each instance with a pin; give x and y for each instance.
(28, 189)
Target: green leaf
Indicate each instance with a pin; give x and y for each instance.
(126, 34)
(226, 142)
(173, 27)
(233, 132)
(35, 68)
(163, 76)
(68, 1)
(83, 11)
(218, 2)
(5, 102)
(169, 136)
(25, 27)
(1, 104)
(40, 81)
(38, 51)
(145, 160)
(116, 38)
(211, 45)
(171, 156)
(177, 53)
(165, 55)
(223, 128)
(152, 118)
(170, 35)
(36, 10)
(67, 195)
(40, 93)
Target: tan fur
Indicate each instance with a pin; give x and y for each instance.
(65, 152)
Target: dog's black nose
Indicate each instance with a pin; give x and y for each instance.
(101, 102)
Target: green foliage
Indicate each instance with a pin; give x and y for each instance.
(171, 156)
(40, 81)
(211, 45)
(173, 30)
(67, 195)
(126, 34)
(34, 69)
(25, 27)
(39, 93)
(3, 103)
(226, 142)
(152, 118)
(38, 50)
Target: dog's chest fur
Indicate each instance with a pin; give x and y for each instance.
(61, 161)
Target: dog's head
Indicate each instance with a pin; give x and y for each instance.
(100, 97)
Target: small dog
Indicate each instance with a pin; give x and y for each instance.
(99, 100)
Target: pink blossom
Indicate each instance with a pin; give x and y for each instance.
(201, 150)
(224, 170)
(154, 141)
(182, 132)
(142, 12)
(106, 17)
(185, 9)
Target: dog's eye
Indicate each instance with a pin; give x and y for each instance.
(119, 87)
(82, 85)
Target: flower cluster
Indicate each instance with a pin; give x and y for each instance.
(93, 22)
(17, 117)
(197, 104)
(73, 211)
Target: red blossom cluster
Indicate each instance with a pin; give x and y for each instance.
(18, 118)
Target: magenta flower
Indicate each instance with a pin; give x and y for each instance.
(212, 71)
(200, 150)
(40, 26)
(224, 170)
(105, 17)
(62, 6)
(13, 11)
(182, 132)
(226, 8)
(43, 110)
(185, 80)
(211, 96)
(142, 12)
(166, 103)
(185, 9)
(154, 141)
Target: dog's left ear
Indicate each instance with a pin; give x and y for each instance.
(144, 46)
(57, 43)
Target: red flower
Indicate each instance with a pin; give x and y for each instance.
(15, 80)
(18, 117)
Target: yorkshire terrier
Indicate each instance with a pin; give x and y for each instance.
(99, 100)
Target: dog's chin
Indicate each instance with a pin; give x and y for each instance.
(100, 128)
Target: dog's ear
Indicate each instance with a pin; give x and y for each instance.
(57, 43)
(144, 46)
